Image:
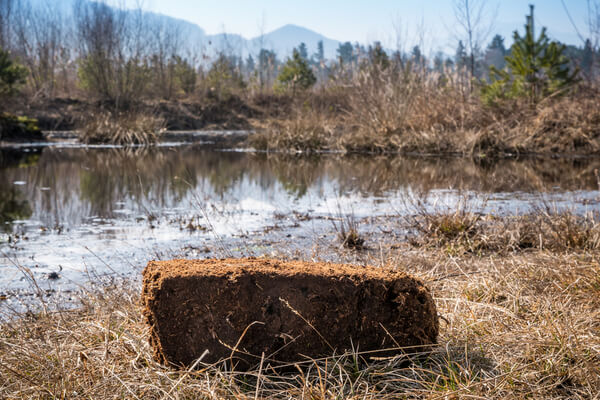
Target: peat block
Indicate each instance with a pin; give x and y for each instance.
(238, 309)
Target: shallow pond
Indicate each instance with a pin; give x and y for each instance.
(71, 215)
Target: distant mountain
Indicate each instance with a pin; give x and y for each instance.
(281, 40)
(284, 39)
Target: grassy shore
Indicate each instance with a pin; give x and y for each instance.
(516, 323)
(434, 121)
(380, 115)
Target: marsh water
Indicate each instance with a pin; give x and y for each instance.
(71, 214)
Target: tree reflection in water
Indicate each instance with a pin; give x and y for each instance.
(13, 202)
(69, 185)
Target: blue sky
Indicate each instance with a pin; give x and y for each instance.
(366, 21)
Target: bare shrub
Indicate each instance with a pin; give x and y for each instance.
(381, 102)
(43, 42)
(112, 46)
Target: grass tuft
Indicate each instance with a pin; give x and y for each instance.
(347, 232)
(122, 128)
(469, 231)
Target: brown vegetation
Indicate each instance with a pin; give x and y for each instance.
(121, 128)
(375, 117)
(467, 230)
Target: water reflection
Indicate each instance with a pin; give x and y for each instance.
(86, 213)
(13, 204)
(70, 185)
(12, 207)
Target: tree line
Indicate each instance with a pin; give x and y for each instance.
(119, 56)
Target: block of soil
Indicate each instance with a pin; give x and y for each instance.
(240, 309)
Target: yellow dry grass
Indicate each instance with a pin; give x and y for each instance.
(524, 325)
(122, 128)
(386, 111)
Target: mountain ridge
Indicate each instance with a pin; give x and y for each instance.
(282, 40)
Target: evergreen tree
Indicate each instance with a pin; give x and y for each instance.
(11, 74)
(185, 74)
(319, 56)
(460, 59)
(535, 68)
(266, 59)
(495, 53)
(318, 61)
(497, 43)
(267, 64)
(345, 53)
(250, 64)
(587, 59)
(224, 78)
(296, 73)
(438, 62)
(303, 51)
(378, 56)
(416, 54)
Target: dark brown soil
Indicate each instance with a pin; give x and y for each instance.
(240, 309)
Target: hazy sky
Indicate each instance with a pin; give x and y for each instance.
(366, 21)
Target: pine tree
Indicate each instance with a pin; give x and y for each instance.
(378, 56)
(345, 53)
(320, 54)
(587, 59)
(303, 51)
(438, 62)
(11, 74)
(416, 54)
(497, 43)
(224, 77)
(536, 68)
(296, 73)
(250, 64)
(460, 59)
(185, 74)
(267, 65)
(495, 53)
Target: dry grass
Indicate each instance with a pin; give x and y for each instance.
(122, 128)
(348, 233)
(305, 132)
(512, 327)
(464, 230)
(414, 112)
(565, 125)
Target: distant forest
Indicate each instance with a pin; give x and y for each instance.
(119, 54)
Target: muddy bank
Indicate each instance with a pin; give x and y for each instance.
(247, 309)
